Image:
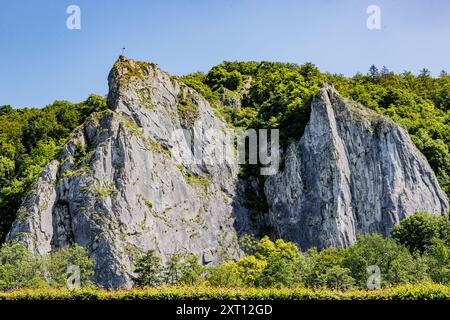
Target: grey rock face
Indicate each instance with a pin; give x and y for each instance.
(353, 172)
(123, 185)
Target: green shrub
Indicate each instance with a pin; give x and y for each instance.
(418, 231)
(219, 77)
(396, 263)
(21, 269)
(424, 291)
(437, 257)
(58, 263)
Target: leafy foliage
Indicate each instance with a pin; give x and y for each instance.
(29, 139)
(419, 231)
(397, 265)
(281, 264)
(57, 264)
(281, 93)
(271, 264)
(179, 269)
(279, 97)
(426, 291)
(437, 257)
(21, 269)
(148, 270)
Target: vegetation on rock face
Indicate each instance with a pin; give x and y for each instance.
(29, 139)
(279, 97)
(187, 110)
(281, 93)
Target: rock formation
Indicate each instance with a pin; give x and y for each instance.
(123, 184)
(353, 172)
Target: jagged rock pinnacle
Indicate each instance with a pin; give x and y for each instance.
(353, 171)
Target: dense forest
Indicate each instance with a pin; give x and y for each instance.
(280, 95)
(419, 253)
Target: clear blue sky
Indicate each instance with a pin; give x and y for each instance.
(41, 60)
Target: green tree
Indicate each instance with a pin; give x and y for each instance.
(251, 270)
(190, 270)
(149, 270)
(58, 262)
(284, 263)
(29, 139)
(7, 167)
(225, 275)
(396, 263)
(437, 257)
(337, 278)
(19, 268)
(172, 269)
(418, 231)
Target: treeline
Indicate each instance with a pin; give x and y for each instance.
(418, 253)
(22, 269)
(280, 97)
(29, 139)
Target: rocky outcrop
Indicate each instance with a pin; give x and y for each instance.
(145, 174)
(125, 182)
(353, 172)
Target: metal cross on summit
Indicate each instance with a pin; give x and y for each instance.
(123, 50)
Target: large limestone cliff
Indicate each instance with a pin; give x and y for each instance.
(126, 180)
(353, 172)
(124, 184)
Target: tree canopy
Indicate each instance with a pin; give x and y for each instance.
(29, 139)
(281, 93)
